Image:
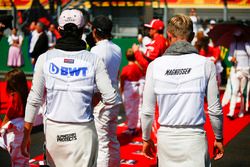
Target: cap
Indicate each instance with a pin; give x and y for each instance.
(103, 24)
(71, 16)
(155, 24)
(212, 22)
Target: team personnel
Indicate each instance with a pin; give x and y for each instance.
(130, 77)
(239, 55)
(106, 116)
(179, 80)
(65, 77)
(155, 48)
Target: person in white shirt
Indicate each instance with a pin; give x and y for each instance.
(143, 40)
(179, 81)
(239, 55)
(51, 36)
(65, 76)
(106, 116)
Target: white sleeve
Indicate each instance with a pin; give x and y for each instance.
(103, 82)
(213, 98)
(97, 51)
(20, 40)
(247, 46)
(148, 106)
(10, 41)
(35, 97)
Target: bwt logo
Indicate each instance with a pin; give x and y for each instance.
(72, 71)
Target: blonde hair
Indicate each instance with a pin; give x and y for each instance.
(180, 26)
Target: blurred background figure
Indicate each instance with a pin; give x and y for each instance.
(15, 58)
(31, 32)
(210, 26)
(130, 90)
(2, 26)
(51, 36)
(239, 55)
(143, 39)
(5, 22)
(213, 53)
(198, 39)
(39, 42)
(195, 19)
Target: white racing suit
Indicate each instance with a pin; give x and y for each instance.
(106, 126)
(106, 116)
(68, 80)
(179, 83)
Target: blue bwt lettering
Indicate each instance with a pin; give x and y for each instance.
(65, 71)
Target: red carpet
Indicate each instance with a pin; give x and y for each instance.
(231, 129)
(131, 146)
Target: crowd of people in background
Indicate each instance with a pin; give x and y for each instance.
(40, 39)
(137, 86)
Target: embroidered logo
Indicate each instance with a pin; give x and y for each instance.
(66, 137)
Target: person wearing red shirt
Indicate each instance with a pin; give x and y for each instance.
(157, 46)
(213, 53)
(130, 86)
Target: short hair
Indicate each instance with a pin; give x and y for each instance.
(41, 25)
(130, 55)
(103, 26)
(181, 26)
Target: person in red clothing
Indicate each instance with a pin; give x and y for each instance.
(213, 53)
(157, 46)
(155, 49)
(131, 91)
(11, 129)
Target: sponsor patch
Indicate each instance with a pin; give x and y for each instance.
(66, 137)
(69, 61)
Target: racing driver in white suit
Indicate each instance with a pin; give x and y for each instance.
(179, 81)
(67, 75)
